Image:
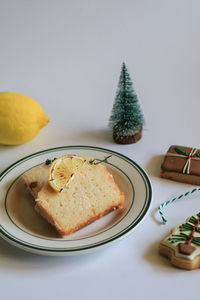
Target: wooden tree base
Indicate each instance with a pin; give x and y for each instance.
(128, 139)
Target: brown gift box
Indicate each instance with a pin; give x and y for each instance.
(180, 165)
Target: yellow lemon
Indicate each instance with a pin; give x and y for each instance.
(21, 118)
(62, 170)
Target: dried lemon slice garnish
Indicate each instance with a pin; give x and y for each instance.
(62, 170)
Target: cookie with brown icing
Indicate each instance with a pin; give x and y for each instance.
(182, 164)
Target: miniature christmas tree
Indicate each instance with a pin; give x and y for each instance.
(126, 119)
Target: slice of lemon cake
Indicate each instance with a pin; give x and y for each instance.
(36, 178)
(73, 192)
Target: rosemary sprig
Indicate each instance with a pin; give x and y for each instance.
(93, 162)
(49, 161)
(181, 151)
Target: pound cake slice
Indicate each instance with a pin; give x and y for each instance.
(36, 178)
(91, 194)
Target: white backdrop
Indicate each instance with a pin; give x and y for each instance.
(67, 55)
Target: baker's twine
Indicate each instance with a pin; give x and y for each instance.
(164, 204)
(186, 168)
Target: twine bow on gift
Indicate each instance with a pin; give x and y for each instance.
(188, 162)
(189, 156)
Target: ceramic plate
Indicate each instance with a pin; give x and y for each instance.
(21, 226)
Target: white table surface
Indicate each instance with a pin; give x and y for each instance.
(67, 55)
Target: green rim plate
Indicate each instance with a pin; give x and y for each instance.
(131, 178)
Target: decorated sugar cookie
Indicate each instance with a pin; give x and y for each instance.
(182, 246)
(182, 164)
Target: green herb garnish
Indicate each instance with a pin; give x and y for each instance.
(49, 161)
(181, 151)
(93, 162)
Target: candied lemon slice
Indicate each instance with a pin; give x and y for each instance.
(62, 170)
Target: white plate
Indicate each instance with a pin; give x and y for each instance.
(21, 226)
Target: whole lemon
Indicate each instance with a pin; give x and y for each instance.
(21, 118)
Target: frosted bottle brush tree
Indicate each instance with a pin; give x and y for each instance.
(126, 120)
